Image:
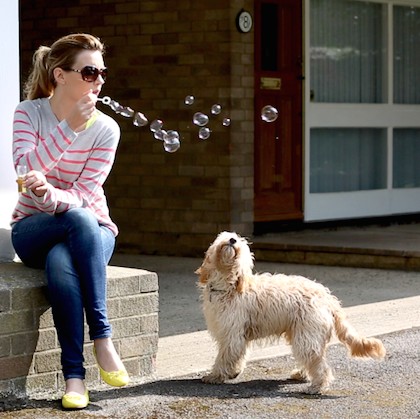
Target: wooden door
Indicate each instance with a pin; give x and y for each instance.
(278, 82)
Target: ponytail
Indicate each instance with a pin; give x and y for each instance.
(39, 84)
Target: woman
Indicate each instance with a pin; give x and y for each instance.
(62, 222)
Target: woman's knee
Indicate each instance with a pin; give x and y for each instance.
(80, 218)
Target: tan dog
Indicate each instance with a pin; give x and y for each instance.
(240, 307)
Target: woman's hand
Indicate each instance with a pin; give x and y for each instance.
(82, 111)
(36, 182)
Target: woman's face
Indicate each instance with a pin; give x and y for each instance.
(74, 84)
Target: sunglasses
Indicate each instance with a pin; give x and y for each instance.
(90, 73)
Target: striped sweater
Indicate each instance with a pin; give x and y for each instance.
(75, 165)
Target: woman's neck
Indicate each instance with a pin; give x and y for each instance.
(61, 105)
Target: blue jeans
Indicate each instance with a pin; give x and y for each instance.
(74, 250)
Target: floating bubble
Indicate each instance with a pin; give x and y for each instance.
(226, 122)
(127, 112)
(171, 137)
(140, 120)
(189, 100)
(160, 135)
(172, 147)
(269, 113)
(156, 125)
(216, 109)
(115, 106)
(200, 119)
(204, 133)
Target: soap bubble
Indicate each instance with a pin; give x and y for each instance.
(160, 134)
(171, 137)
(189, 100)
(156, 125)
(200, 119)
(204, 133)
(226, 122)
(115, 106)
(140, 120)
(172, 147)
(216, 109)
(269, 113)
(127, 112)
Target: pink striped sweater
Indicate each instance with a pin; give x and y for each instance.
(76, 165)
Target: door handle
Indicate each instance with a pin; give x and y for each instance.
(300, 77)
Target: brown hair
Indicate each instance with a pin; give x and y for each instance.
(61, 54)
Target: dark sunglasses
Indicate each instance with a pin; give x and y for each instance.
(90, 73)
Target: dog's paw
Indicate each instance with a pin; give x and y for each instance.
(234, 375)
(298, 375)
(212, 379)
(315, 390)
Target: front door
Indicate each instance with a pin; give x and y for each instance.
(278, 82)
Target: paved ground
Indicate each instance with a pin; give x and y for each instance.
(363, 389)
(379, 302)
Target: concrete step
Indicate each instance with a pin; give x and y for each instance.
(392, 247)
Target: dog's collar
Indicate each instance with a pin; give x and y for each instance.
(213, 290)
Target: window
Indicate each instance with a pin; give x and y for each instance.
(406, 54)
(406, 158)
(347, 159)
(346, 51)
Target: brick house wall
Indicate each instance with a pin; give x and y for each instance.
(158, 52)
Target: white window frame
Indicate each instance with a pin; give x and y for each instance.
(370, 203)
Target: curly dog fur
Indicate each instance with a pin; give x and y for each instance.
(241, 307)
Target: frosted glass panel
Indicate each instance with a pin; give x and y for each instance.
(406, 160)
(347, 159)
(346, 51)
(406, 54)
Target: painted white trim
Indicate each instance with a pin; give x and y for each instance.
(9, 88)
(333, 206)
(351, 115)
(345, 205)
(405, 200)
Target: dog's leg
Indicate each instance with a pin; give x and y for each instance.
(320, 374)
(310, 352)
(230, 362)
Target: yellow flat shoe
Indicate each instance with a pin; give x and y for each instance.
(114, 378)
(75, 402)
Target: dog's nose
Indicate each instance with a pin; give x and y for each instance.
(232, 241)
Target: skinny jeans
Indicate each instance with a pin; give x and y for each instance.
(74, 250)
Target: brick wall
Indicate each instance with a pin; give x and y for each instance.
(29, 348)
(158, 53)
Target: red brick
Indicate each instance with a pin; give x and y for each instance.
(78, 11)
(15, 367)
(152, 28)
(69, 22)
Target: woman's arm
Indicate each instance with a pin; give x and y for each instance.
(30, 148)
(88, 186)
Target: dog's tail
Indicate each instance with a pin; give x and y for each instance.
(359, 346)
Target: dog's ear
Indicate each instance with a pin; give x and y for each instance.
(202, 272)
(242, 281)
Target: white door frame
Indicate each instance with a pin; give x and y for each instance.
(9, 88)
